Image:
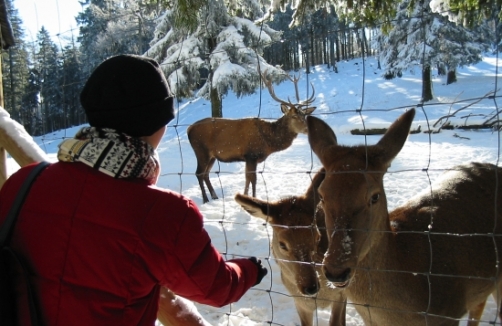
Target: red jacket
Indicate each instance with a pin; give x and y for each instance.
(99, 248)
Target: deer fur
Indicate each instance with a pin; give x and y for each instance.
(249, 140)
(428, 262)
(299, 242)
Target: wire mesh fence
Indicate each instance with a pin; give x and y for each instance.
(461, 124)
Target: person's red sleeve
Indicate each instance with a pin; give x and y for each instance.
(202, 274)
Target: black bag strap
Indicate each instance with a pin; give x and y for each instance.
(8, 226)
(32, 302)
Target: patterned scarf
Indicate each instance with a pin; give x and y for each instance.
(113, 153)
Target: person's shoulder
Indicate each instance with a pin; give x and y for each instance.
(23, 172)
(172, 198)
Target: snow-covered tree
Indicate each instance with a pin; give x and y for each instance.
(223, 53)
(47, 66)
(15, 67)
(422, 38)
(110, 27)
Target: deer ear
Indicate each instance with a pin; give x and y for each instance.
(393, 140)
(255, 207)
(308, 111)
(320, 135)
(284, 108)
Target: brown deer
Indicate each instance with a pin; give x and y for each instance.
(427, 262)
(249, 140)
(299, 242)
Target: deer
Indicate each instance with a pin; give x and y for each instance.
(299, 241)
(249, 140)
(427, 262)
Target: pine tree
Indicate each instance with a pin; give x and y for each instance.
(111, 27)
(92, 23)
(48, 67)
(425, 39)
(223, 53)
(15, 68)
(31, 117)
(72, 81)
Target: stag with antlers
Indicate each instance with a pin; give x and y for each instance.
(249, 140)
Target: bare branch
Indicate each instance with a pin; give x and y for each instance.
(487, 95)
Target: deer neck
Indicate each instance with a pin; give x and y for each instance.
(279, 135)
(377, 285)
(382, 246)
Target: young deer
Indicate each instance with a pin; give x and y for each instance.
(299, 242)
(429, 261)
(250, 140)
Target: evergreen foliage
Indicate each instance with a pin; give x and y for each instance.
(47, 65)
(15, 71)
(211, 47)
(420, 37)
(223, 53)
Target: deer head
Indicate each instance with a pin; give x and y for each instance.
(353, 196)
(296, 111)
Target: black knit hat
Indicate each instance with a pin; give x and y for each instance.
(128, 93)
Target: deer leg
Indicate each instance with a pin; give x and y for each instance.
(206, 178)
(250, 176)
(338, 310)
(304, 312)
(201, 175)
(475, 314)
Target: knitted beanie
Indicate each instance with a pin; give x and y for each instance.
(128, 93)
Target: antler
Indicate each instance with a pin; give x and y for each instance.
(268, 83)
(295, 80)
(306, 102)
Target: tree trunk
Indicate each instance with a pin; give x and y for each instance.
(13, 109)
(366, 47)
(332, 59)
(366, 43)
(452, 77)
(441, 69)
(296, 56)
(324, 49)
(312, 62)
(216, 107)
(426, 84)
(338, 47)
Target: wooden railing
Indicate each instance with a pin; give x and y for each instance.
(15, 141)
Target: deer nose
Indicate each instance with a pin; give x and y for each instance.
(337, 276)
(311, 290)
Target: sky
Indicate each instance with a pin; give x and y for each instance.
(339, 96)
(57, 16)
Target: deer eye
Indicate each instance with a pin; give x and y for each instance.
(283, 246)
(374, 199)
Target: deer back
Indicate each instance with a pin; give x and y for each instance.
(231, 140)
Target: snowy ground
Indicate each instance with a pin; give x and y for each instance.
(339, 96)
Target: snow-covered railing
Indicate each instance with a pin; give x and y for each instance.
(16, 141)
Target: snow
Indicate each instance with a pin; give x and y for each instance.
(15, 130)
(356, 97)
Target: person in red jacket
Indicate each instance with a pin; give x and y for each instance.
(99, 237)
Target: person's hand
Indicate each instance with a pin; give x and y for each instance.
(262, 271)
